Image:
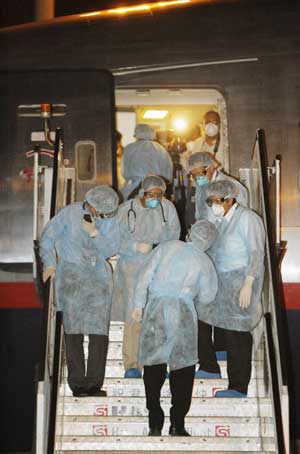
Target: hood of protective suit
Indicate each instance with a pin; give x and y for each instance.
(103, 199)
(151, 182)
(203, 234)
(144, 132)
(199, 159)
(223, 188)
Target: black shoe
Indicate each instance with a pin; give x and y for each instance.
(97, 392)
(80, 392)
(154, 432)
(178, 432)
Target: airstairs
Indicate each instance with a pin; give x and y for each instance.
(119, 421)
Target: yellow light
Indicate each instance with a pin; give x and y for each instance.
(138, 8)
(155, 114)
(180, 124)
(95, 13)
(129, 9)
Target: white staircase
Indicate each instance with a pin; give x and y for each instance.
(119, 421)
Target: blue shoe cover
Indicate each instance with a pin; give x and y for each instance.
(133, 373)
(203, 374)
(221, 356)
(229, 393)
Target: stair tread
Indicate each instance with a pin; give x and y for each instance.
(138, 426)
(144, 419)
(135, 388)
(115, 369)
(184, 440)
(95, 451)
(144, 443)
(200, 407)
(129, 399)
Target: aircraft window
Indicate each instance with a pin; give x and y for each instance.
(85, 153)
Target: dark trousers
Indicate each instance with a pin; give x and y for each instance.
(97, 353)
(181, 387)
(207, 348)
(238, 345)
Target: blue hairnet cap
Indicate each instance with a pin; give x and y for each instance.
(223, 189)
(203, 234)
(200, 159)
(103, 198)
(144, 131)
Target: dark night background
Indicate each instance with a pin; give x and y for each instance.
(19, 11)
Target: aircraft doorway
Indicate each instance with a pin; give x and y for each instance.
(175, 114)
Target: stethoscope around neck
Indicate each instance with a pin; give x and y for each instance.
(131, 215)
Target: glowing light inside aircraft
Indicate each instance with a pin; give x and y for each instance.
(180, 124)
(155, 114)
(137, 8)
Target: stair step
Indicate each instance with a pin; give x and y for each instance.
(162, 444)
(115, 350)
(163, 452)
(138, 426)
(134, 387)
(136, 406)
(116, 336)
(115, 369)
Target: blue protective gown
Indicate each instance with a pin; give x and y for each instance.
(174, 275)
(139, 225)
(83, 279)
(237, 253)
(142, 158)
(203, 211)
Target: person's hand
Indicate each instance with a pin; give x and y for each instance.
(90, 228)
(48, 272)
(246, 292)
(137, 315)
(144, 248)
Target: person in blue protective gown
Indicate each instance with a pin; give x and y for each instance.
(238, 255)
(174, 275)
(145, 221)
(141, 158)
(74, 247)
(203, 169)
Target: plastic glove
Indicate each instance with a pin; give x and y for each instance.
(246, 292)
(137, 315)
(48, 272)
(90, 228)
(143, 248)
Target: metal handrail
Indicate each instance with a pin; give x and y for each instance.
(272, 364)
(276, 363)
(57, 147)
(273, 256)
(43, 289)
(57, 362)
(45, 295)
(44, 335)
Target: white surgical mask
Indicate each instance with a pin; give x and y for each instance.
(211, 129)
(218, 210)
